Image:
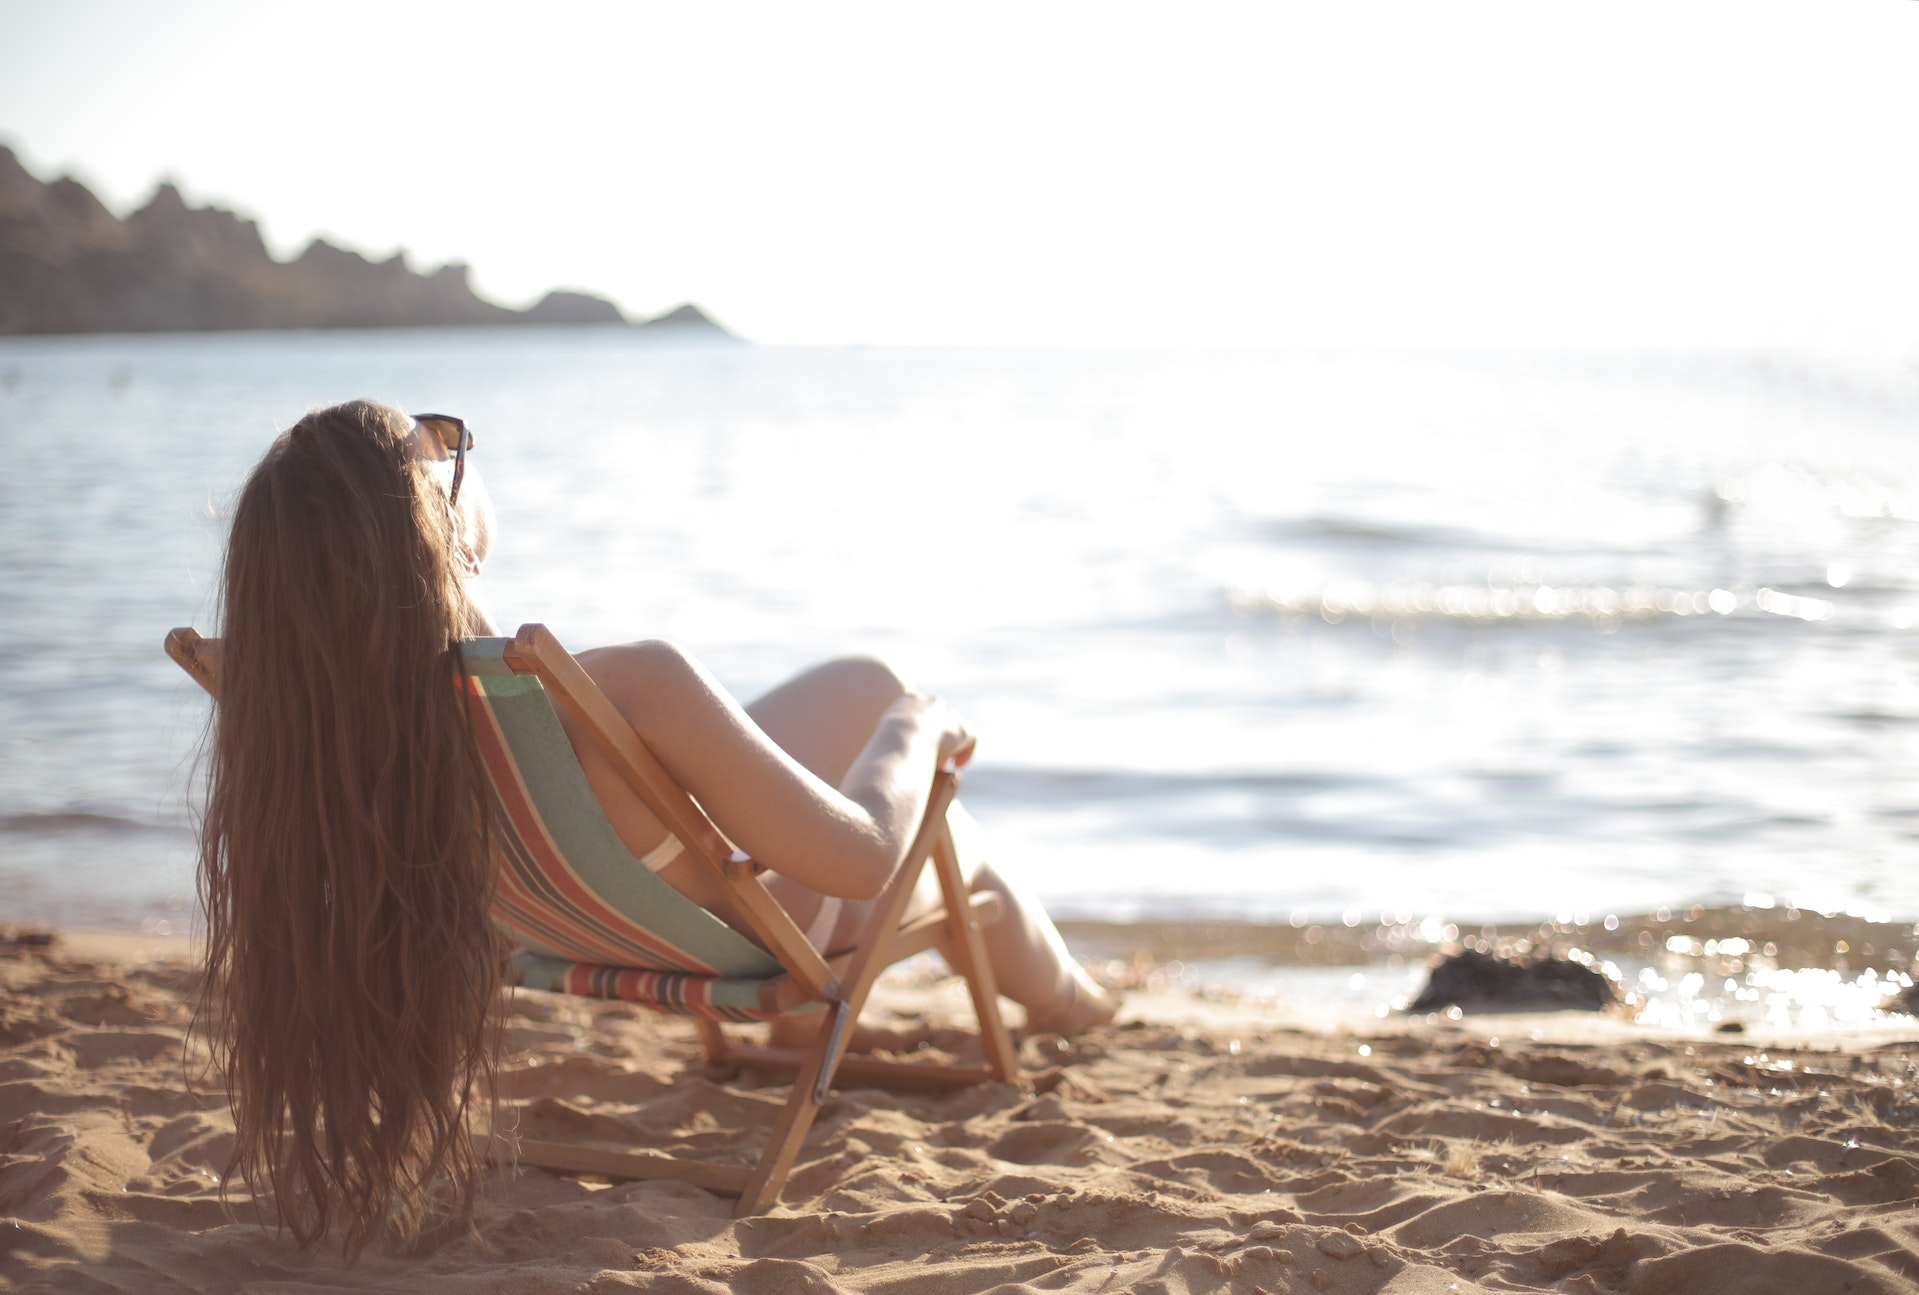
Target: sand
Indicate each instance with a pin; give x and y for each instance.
(1193, 1146)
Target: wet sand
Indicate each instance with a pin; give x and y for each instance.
(1798, 938)
(1202, 1143)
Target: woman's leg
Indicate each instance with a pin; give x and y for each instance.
(1029, 958)
(824, 718)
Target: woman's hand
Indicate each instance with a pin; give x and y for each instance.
(933, 714)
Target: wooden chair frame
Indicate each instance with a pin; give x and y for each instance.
(842, 983)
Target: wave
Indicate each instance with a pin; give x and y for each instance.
(1605, 606)
(55, 824)
(1358, 533)
(1354, 529)
(1026, 783)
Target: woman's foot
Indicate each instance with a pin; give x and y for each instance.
(1091, 1005)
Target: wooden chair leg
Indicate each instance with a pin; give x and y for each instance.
(712, 1037)
(970, 948)
(823, 1055)
(796, 1117)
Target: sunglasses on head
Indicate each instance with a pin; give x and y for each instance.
(454, 435)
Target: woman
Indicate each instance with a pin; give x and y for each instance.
(352, 968)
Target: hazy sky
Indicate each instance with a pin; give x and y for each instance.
(1636, 172)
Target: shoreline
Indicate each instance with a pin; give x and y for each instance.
(1780, 972)
(1800, 937)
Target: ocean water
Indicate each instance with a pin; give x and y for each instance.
(1474, 636)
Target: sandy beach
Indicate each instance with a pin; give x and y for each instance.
(1193, 1146)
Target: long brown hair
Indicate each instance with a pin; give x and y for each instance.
(343, 854)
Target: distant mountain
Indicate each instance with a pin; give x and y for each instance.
(562, 306)
(689, 317)
(67, 265)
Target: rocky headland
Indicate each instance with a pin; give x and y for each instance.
(69, 265)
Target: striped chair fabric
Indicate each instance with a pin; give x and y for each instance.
(591, 918)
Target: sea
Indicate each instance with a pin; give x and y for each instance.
(1280, 636)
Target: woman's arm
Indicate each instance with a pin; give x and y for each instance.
(844, 841)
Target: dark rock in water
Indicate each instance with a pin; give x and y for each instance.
(563, 307)
(1906, 1000)
(27, 937)
(1474, 979)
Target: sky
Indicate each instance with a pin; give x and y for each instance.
(1469, 173)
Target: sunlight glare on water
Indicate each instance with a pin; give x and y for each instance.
(1242, 632)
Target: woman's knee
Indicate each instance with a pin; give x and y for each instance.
(866, 680)
(824, 716)
(853, 690)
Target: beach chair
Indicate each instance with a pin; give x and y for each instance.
(591, 919)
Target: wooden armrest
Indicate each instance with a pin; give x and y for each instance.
(199, 657)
